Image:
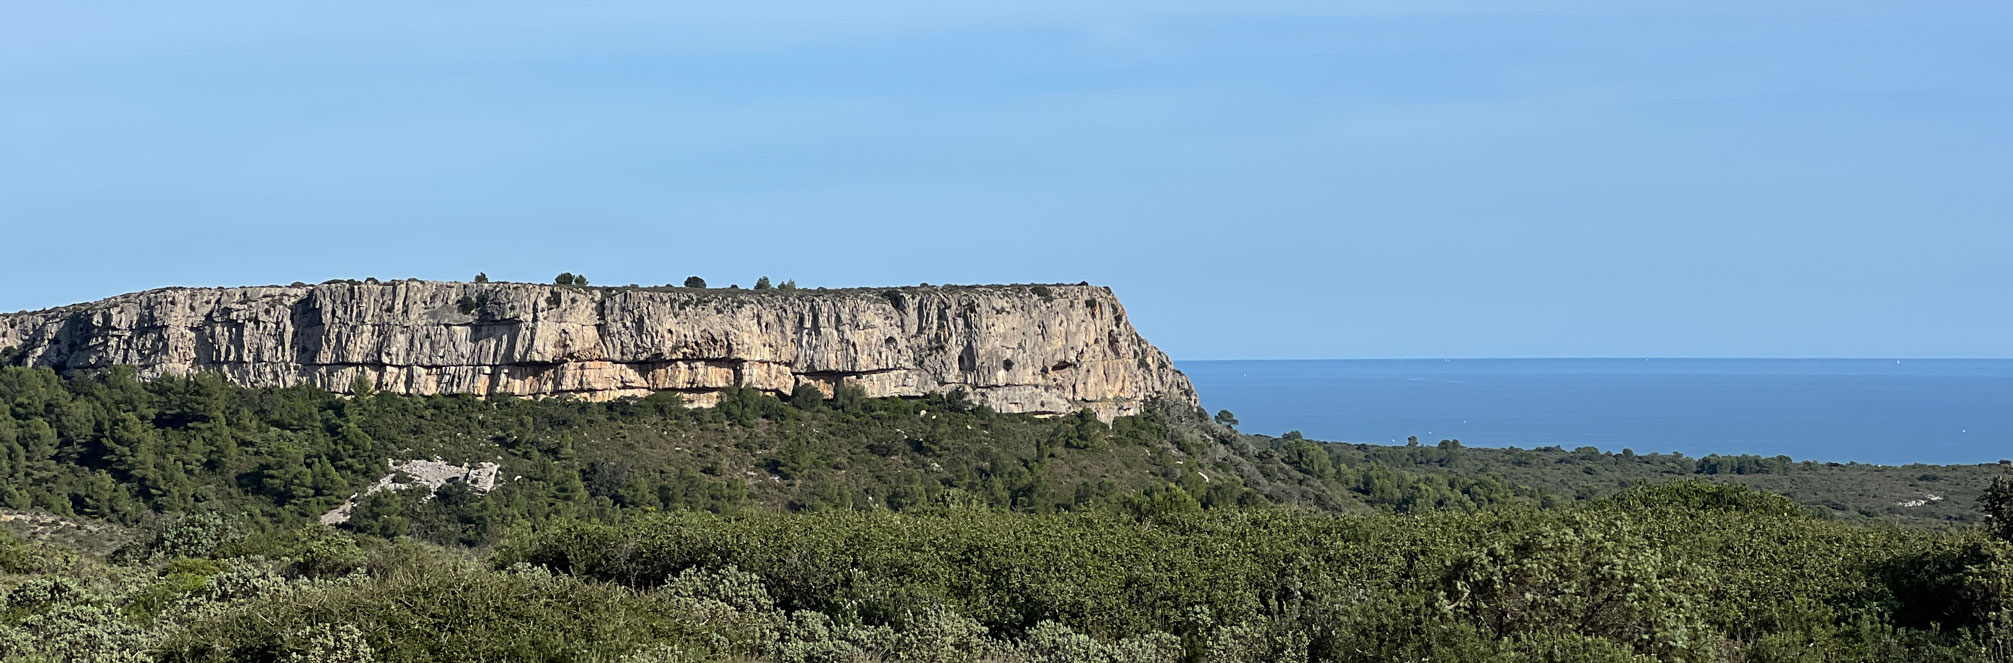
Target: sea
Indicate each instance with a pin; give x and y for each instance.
(1885, 411)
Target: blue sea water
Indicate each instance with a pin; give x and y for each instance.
(1867, 410)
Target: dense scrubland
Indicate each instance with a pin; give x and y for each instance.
(176, 520)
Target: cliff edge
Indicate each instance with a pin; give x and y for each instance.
(1042, 349)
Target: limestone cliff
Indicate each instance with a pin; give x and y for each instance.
(1046, 349)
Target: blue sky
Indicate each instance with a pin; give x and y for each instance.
(1256, 180)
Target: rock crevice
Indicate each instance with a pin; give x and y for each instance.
(1043, 349)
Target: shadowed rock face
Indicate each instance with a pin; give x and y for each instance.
(1011, 347)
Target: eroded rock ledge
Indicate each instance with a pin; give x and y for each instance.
(1044, 349)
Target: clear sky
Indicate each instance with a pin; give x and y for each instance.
(1255, 179)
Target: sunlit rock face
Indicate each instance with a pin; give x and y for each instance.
(1042, 349)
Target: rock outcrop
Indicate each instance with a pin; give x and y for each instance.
(1044, 349)
(429, 474)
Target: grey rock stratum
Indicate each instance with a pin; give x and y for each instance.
(1042, 349)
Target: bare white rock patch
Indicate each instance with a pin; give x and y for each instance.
(432, 474)
(1910, 504)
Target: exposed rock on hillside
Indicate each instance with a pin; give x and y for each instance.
(428, 474)
(1045, 349)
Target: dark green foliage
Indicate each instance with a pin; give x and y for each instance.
(1968, 583)
(1846, 491)
(16, 557)
(1585, 577)
(178, 579)
(1226, 418)
(1695, 496)
(1743, 464)
(110, 447)
(168, 537)
(694, 282)
(762, 283)
(1997, 502)
(1043, 292)
(481, 277)
(564, 278)
(933, 529)
(419, 605)
(1645, 578)
(1087, 432)
(848, 396)
(807, 397)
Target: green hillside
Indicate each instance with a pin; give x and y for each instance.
(178, 520)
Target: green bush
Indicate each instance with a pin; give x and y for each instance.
(808, 397)
(1604, 584)
(443, 615)
(1706, 497)
(177, 535)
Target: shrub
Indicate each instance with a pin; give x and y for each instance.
(1589, 578)
(1966, 584)
(694, 282)
(1997, 502)
(433, 614)
(1707, 497)
(14, 556)
(312, 550)
(807, 396)
(848, 396)
(188, 535)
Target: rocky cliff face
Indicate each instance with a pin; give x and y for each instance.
(1045, 349)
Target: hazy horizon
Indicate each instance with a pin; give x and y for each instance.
(1884, 411)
